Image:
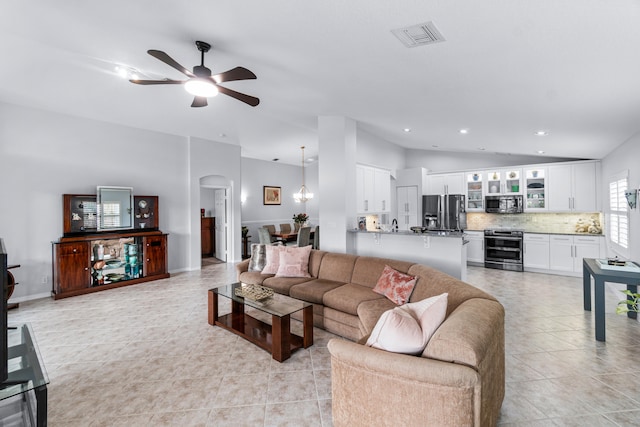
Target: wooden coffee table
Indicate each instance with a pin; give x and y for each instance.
(276, 338)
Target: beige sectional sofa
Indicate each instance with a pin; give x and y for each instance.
(459, 378)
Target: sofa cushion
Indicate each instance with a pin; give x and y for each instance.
(337, 267)
(282, 285)
(370, 311)
(294, 262)
(315, 259)
(348, 297)
(313, 290)
(433, 282)
(258, 257)
(407, 329)
(395, 285)
(367, 270)
(253, 277)
(273, 259)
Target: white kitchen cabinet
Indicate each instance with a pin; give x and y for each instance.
(535, 189)
(446, 183)
(566, 252)
(475, 247)
(407, 207)
(475, 191)
(536, 251)
(503, 181)
(373, 189)
(572, 187)
(381, 190)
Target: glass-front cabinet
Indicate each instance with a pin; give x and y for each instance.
(475, 195)
(504, 181)
(89, 257)
(115, 260)
(535, 183)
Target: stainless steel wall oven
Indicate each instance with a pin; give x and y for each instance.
(503, 249)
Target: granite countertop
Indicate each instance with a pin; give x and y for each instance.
(411, 233)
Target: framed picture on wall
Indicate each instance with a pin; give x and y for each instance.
(271, 195)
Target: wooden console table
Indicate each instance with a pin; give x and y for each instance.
(591, 268)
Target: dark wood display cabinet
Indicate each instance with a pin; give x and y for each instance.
(208, 236)
(86, 260)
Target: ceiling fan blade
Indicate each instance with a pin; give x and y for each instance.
(158, 54)
(247, 99)
(157, 82)
(238, 73)
(199, 101)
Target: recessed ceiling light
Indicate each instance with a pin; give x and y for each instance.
(464, 131)
(542, 133)
(481, 148)
(540, 152)
(407, 130)
(435, 146)
(223, 135)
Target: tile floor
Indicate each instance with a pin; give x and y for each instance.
(144, 355)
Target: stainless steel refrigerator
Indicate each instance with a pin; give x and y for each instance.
(444, 212)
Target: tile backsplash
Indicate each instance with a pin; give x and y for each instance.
(561, 223)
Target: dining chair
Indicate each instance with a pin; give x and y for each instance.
(296, 226)
(316, 238)
(285, 228)
(271, 228)
(303, 237)
(264, 236)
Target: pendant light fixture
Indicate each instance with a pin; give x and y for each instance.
(303, 194)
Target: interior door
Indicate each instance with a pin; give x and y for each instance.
(220, 213)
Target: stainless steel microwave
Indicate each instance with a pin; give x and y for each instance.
(504, 204)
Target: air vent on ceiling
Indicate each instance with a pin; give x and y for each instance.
(418, 35)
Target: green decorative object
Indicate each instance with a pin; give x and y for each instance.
(300, 218)
(632, 303)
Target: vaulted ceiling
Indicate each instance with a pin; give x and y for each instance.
(505, 70)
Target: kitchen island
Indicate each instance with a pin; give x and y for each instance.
(442, 250)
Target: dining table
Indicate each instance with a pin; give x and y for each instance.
(291, 236)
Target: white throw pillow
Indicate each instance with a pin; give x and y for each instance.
(430, 313)
(397, 331)
(407, 329)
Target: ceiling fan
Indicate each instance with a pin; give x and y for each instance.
(201, 83)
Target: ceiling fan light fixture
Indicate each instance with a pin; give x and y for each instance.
(201, 87)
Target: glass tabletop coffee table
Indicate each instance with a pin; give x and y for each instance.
(275, 338)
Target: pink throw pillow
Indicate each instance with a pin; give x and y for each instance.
(294, 262)
(395, 285)
(273, 259)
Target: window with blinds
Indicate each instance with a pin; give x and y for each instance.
(618, 211)
(111, 215)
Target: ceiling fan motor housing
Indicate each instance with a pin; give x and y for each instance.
(201, 71)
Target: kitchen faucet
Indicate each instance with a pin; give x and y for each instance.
(394, 224)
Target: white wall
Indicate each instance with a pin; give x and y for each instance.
(625, 157)
(445, 161)
(207, 159)
(375, 151)
(45, 155)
